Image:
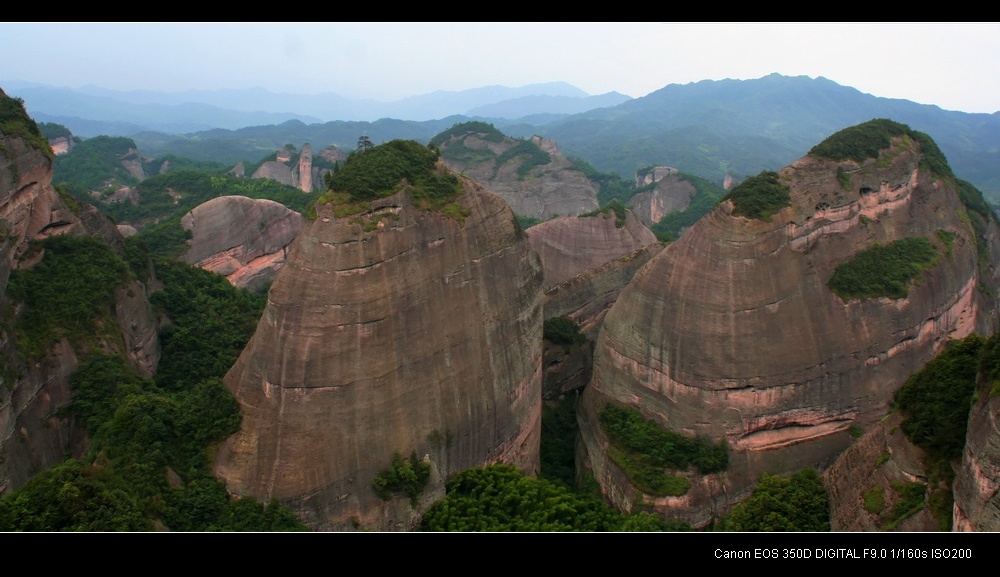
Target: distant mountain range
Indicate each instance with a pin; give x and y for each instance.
(92, 111)
(712, 129)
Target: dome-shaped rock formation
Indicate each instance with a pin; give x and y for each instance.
(417, 336)
(733, 332)
(242, 239)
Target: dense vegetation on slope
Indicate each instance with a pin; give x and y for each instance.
(96, 164)
(935, 403)
(500, 498)
(386, 169)
(883, 270)
(760, 196)
(797, 502)
(869, 139)
(170, 196)
(646, 452)
(68, 295)
(482, 130)
(148, 466)
(610, 186)
(936, 400)
(15, 123)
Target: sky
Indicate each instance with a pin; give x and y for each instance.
(953, 65)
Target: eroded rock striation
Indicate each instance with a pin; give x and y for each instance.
(421, 336)
(573, 244)
(865, 482)
(733, 333)
(242, 239)
(977, 480)
(671, 193)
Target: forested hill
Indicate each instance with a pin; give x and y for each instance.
(708, 129)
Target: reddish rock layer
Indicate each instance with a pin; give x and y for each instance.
(242, 239)
(572, 245)
(731, 332)
(423, 335)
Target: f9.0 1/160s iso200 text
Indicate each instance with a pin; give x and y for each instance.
(845, 553)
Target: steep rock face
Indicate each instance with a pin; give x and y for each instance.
(420, 337)
(242, 239)
(732, 333)
(671, 194)
(33, 436)
(28, 204)
(573, 244)
(305, 169)
(553, 188)
(876, 464)
(588, 296)
(977, 482)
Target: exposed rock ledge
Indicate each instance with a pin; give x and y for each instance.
(241, 238)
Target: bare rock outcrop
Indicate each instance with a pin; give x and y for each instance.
(242, 239)
(671, 193)
(61, 144)
(420, 336)
(977, 480)
(588, 296)
(571, 245)
(531, 175)
(732, 333)
(865, 482)
(296, 168)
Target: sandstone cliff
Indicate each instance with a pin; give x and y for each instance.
(864, 484)
(531, 175)
(671, 193)
(732, 333)
(32, 393)
(571, 245)
(977, 481)
(419, 336)
(242, 239)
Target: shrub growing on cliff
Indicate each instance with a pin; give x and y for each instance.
(384, 170)
(883, 270)
(645, 451)
(759, 196)
(615, 207)
(406, 476)
(380, 171)
(15, 122)
(562, 330)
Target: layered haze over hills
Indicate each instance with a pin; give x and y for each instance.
(712, 129)
(354, 315)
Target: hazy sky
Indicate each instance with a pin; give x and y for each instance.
(953, 65)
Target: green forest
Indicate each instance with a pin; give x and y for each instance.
(147, 467)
